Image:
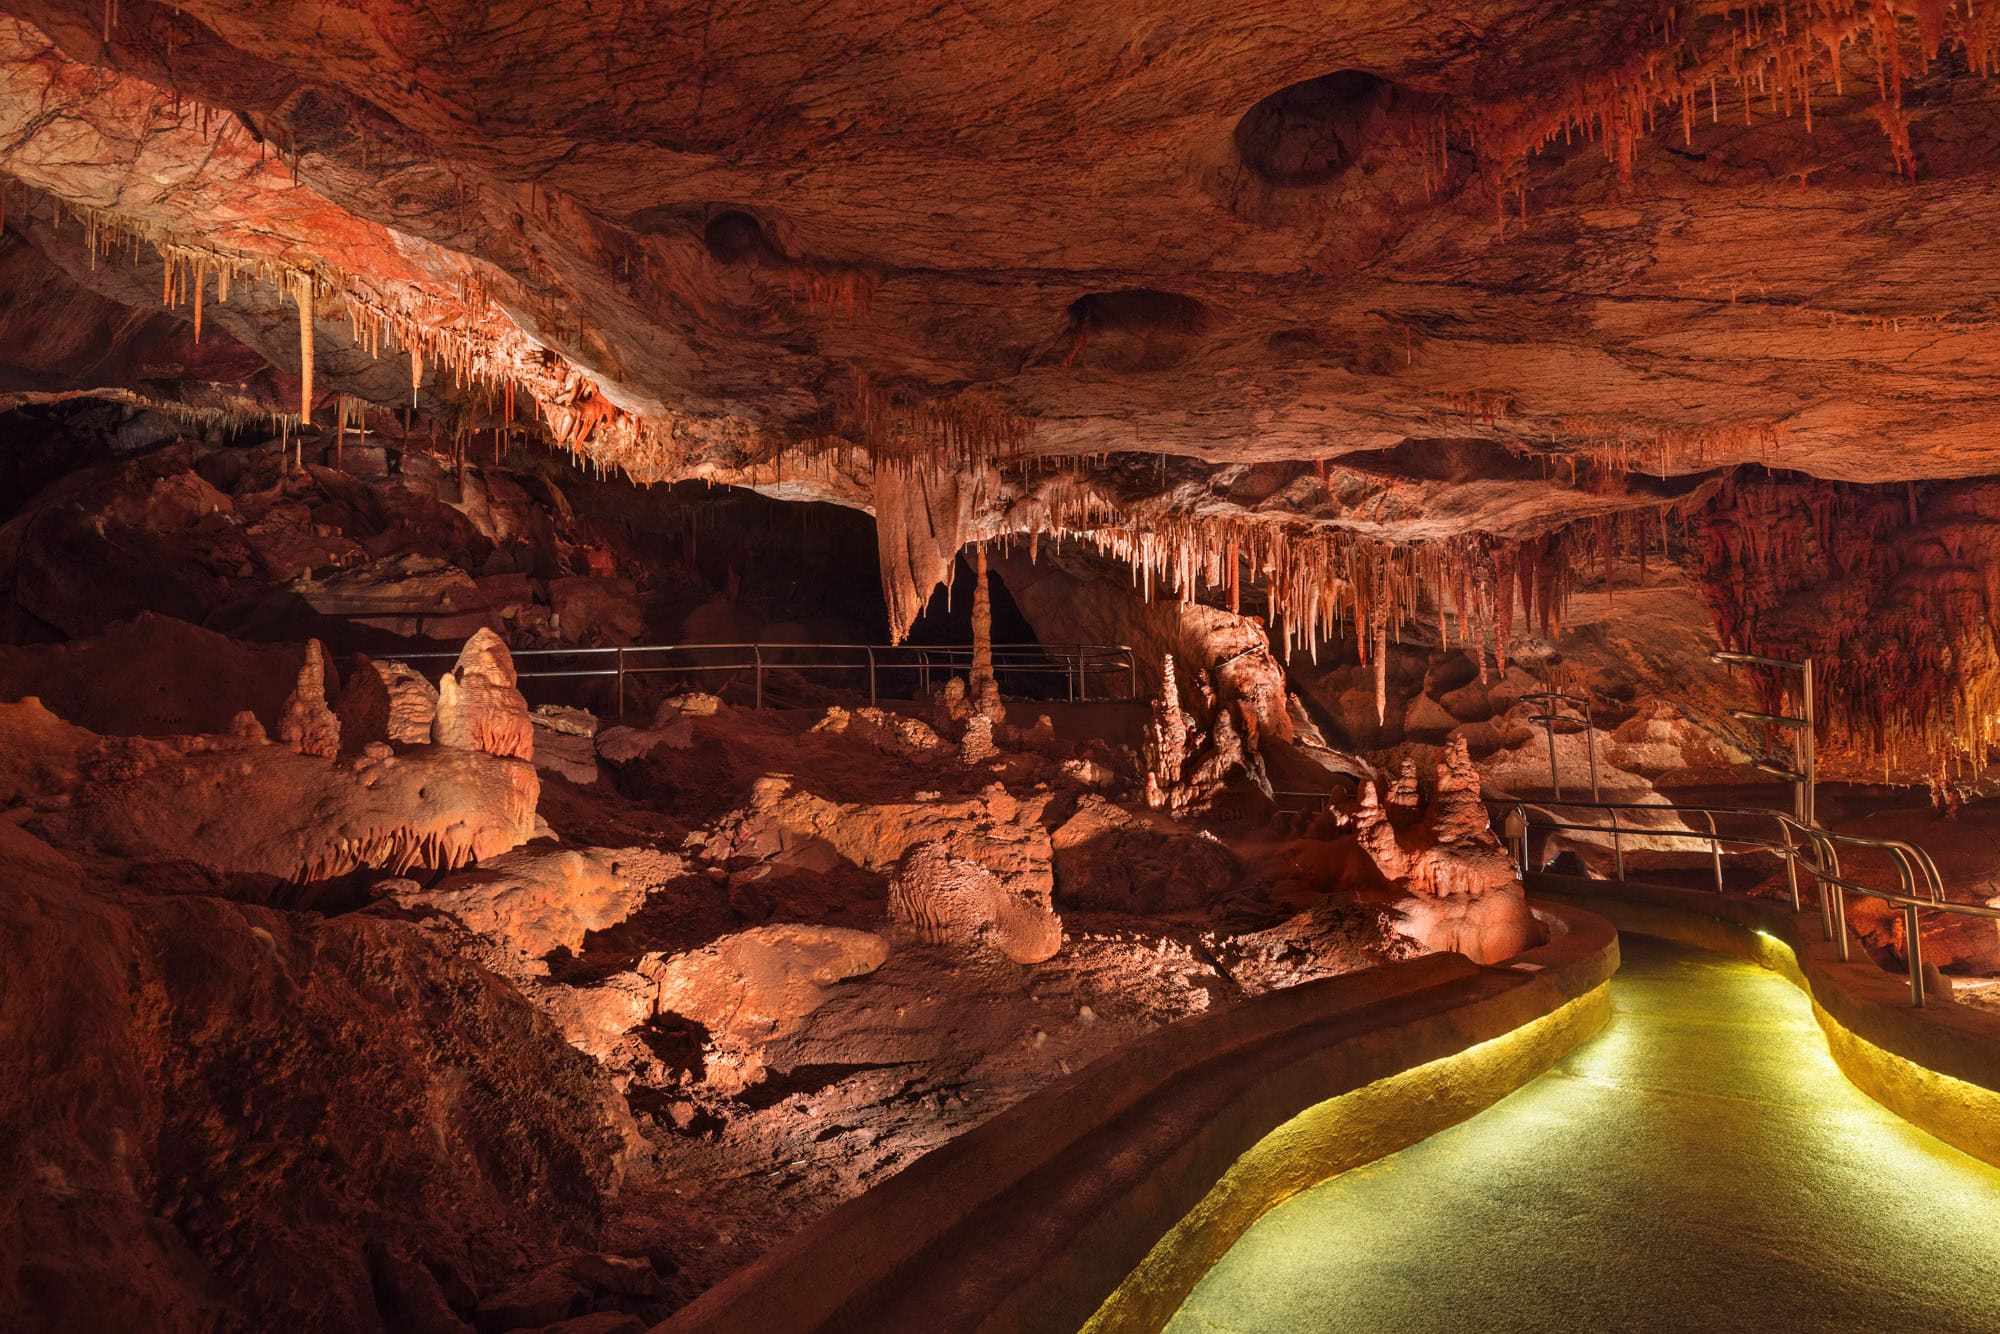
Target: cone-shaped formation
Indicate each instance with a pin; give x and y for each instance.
(309, 726)
(479, 707)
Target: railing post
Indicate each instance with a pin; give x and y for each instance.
(1521, 816)
(757, 667)
(1617, 845)
(1811, 766)
(1839, 897)
(1914, 948)
(1791, 863)
(1715, 849)
(1131, 674)
(1829, 865)
(871, 676)
(1590, 748)
(619, 654)
(1555, 782)
(1075, 675)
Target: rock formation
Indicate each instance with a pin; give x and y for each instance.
(237, 804)
(749, 988)
(1362, 376)
(402, 1129)
(1194, 760)
(479, 706)
(308, 726)
(950, 900)
(1107, 857)
(565, 742)
(387, 701)
(1463, 891)
(534, 901)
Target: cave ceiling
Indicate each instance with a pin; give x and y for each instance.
(1416, 269)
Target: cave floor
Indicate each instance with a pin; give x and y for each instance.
(1701, 1164)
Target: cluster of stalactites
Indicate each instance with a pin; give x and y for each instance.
(1735, 59)
(1612, 447)
(1897, 613)
(967, 430)
(465, 337)
(1328, 583)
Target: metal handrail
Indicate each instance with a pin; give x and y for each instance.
(1922, 883)
(1077, 663)
(1552, 702)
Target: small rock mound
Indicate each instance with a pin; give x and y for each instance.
(954, 901)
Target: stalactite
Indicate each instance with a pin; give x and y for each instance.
(969, 429)
(1761, 52)
(466, 335)
(1897, 606)
(1321, 581)
(302, 291)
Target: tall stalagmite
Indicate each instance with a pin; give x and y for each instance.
(982, 626)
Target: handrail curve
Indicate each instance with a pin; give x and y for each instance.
(1921, 883)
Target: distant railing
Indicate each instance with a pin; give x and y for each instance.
(1088, 671)
(1922, 885)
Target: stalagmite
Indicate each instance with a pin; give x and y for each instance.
(308, 726)
(982, 679)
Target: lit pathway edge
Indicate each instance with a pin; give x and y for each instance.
(1937, 1068)
(1115, 1191)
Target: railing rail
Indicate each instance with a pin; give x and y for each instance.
(1084, 667)
(1922, 885)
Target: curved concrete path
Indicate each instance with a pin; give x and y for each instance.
(1699, 1165)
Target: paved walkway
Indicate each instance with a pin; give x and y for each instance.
(1699, 1165)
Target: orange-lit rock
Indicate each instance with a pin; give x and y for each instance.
(479, 706)
(950, 900)
(308, 725)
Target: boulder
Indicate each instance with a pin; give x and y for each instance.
(671, 727)
(567, 755)
(950, 900)
(1000, 832)
(749, 988)
(535, 900)
(596, 611)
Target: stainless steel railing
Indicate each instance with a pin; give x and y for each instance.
(1922, 885)
(1084, 667)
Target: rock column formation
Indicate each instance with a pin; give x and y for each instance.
(309, 726)
(479, 706)
(984, 685)
(1462, 890)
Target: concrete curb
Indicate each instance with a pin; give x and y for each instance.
(1119, 1187)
